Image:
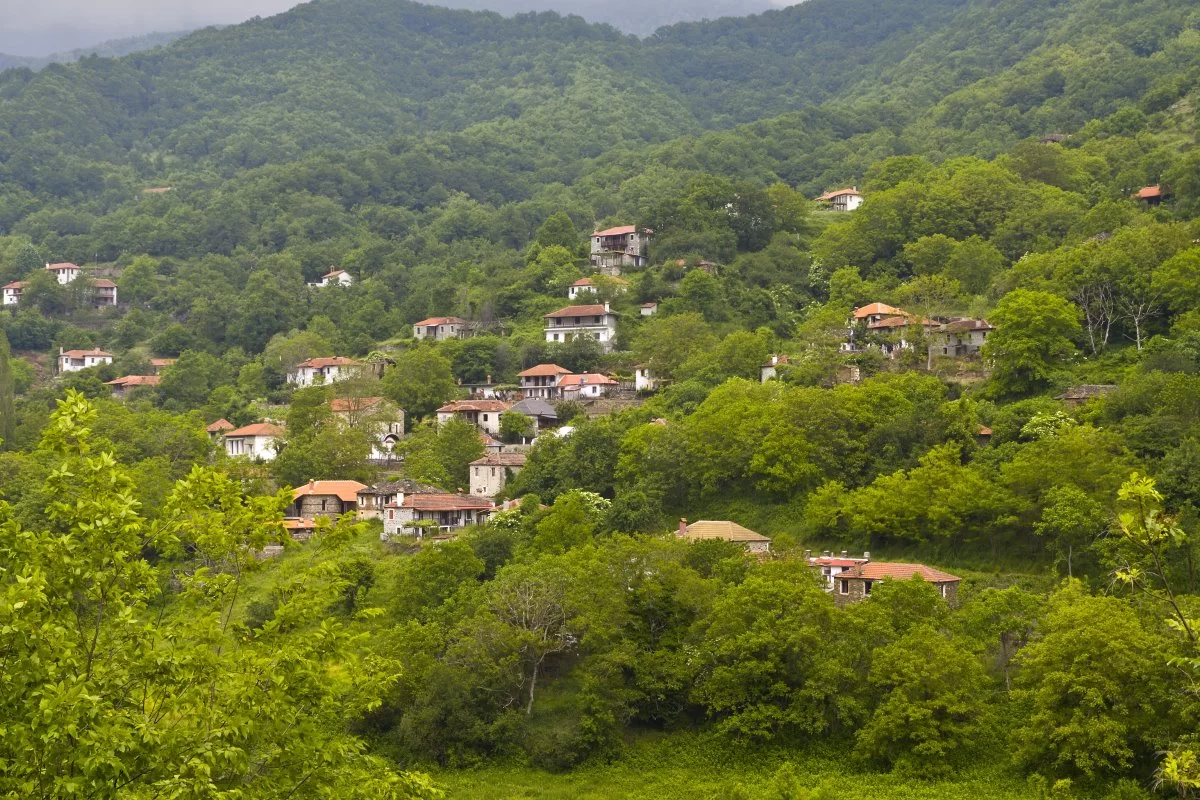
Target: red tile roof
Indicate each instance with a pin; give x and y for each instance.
(440, 321)
(445, 502)
(544, 370)
(839, 193)
(959, 325)
(881, 570)
(162, 362)
(623, 230)
(474, 405)
(333, 273)
(1149, 192)
(103, 283)
(343, 404)
(322, 363)
(16, 285)
(257, 429)
(500, 460)
(583, 282)
(579, 311)
(219, 425)
(591, 379)
(346, 491)
(871, 309)
(81, 353)
(135, 380)
(62, 266)
(901, 322)
(298, 523)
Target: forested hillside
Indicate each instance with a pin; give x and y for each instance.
(981, 354)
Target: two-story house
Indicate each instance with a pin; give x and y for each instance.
(439, 329)
(959, 338)
(335, 277)
(539, 411)
(325, 499)
(122, 386)
(258, 441)
(624, 246)
(64, 273)
(842, 199)
(77, 360)
(373, 499)
(896, 334)
(104, 293)
(13, 292)
(445, 512)
(585, 387)
(483, 414)
(644, 379)
(597, 322)
(829, 566)
(324, 371)
(490, 473)
(542, 381)
(770, 369)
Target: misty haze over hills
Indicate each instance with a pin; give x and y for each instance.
(54, 29)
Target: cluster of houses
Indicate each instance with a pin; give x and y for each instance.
(103, 291)
(894, 330)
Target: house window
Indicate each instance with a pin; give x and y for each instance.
(597, 319)
(493, 472)
(867, 587)
(943, 590)
(485, 418)
(477, 472)
(844, 586)
(391, 514)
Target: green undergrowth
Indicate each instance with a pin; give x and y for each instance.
(698, 767)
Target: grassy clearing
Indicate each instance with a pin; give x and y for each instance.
(703, 770)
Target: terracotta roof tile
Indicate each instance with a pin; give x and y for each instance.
(257, 429)
(346, 491)
(871, 309)
(445, 502)
(881, 570)
(622, 230)
(544, 370)
(485, 406)
(219, 425)
(322, 363)
(440, 321)
(500, 460)
(579, 311)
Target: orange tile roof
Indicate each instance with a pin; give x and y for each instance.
(257, 429)
(542, 370)
(579, 311)
(871, 309)
(346, 491)
(135, 380)
(344, 404)
(218, 426)
(623, 230)
(103, 283)
(64, 265)
(333, 273)
(82, 353)
(591, 379)
(445, 502)
(500, 460)
(838, 193)
(162, 362)
(881, 570)
(335, 361)
(440, 321)
(474, 405)
(1149, 192)
(16, 285)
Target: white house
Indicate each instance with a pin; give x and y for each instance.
(842, 199)
(542, 381)
(446, 512)
(483, 414)
(829, 566)
(255, 441)
(585, 387)
(649, 309)
(324, 371)
(597, 322)
(13, 292)
(624, 246)
(439, 328)
(335, 277)
(64, 273)
(76, 360)
(585, 286)
(644, 380)
(770, 369)
(490, 473)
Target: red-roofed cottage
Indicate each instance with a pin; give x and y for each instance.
(448, 512)
(483, 414)
(439, 328)
(850, 580)
(624, 246)
(842, 199)
(254, 441)
(76, 360)
(324, 371)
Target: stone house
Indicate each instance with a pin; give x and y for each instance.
(725, 530)
(1078, 395)
(444, 512)
(490, 474)
(257, 441)
(597, 322)
(829, 566)
(78, 360)
(439, 329)
(373, 499)
(123, 385)
(483, 414)
(854, 585)
(623, 246)
(959, 338)
(324, 371)
(325, 499)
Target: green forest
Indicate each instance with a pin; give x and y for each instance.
(1028, 173)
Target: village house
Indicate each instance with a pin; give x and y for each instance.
(439, 329)
(842, 199)
(490, 473)
(624, 246)
(324, 371)
(104, 293)
(542, 381)
(13, 292)
(649, 309)
(218, 429)
(644, 379)
(441, 512)
(854, 584)
(542, 413)
(374, 498)
(490, 443)
(377, 416)
(1152, 195)
(335, 277)
(483, 414)
(770, 369)
(157, 365)
(585, 387)
(257, 441)
(299, 529)
(64, 273)
(587, 286)
(77, 360)
(895, 334)
(726, 531)
(325, 499)
(597, 322)
(122, 386)
(1076, 396)
(959, 338)
(829, 566)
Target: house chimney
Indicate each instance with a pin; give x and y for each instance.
(826, 553)
(807, 555)
(866, 555)
(845, 554)
(606, 307)
(489, 380)
(682, 527)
